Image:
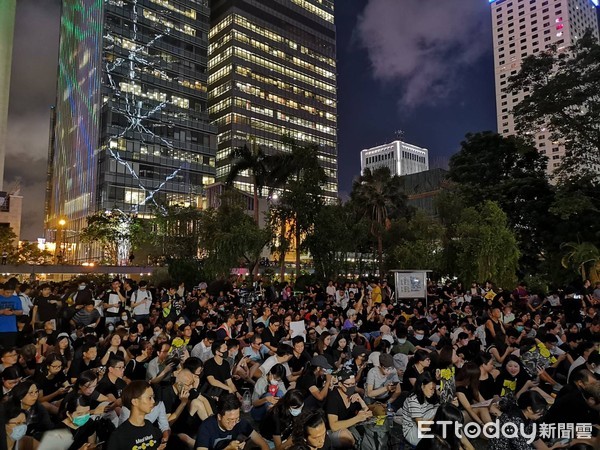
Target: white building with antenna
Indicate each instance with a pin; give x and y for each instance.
(401, 157)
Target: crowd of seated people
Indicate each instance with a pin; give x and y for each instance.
(132, 366)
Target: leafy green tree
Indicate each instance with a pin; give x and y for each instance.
(511, 172)
(331, 241)
(302, 179)
(487, 247)
(29, 253)
(378, 196)
(583, 258)
(111, 229)
(229, 237)
(420, 244)
(563, 100)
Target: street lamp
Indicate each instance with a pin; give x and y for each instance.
(59, 237)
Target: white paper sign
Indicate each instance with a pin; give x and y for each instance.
(298, 329)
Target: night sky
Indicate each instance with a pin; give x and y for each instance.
(421, 66)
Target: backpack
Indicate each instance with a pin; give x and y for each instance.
(371, 436)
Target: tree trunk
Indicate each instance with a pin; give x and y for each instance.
(297, 232)
(255, 202)
(282, 251)
(380, 254)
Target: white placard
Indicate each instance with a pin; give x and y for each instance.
(411, 284)
(298, 329)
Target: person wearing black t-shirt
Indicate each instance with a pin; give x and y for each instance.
(300, 357)
(345, 409)
(137, 432)
(270, 335)
(112, 384)
(86, 360)
(218, 372)
(225, 430)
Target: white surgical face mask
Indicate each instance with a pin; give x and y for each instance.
(295, 411)
(419, 337)
(402, 341)
(18, 432)
(81, 287)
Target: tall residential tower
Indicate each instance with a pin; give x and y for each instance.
(273, 74)
(527, 27)
(131, 129)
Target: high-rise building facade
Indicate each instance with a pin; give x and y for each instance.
(400, 157)
(272, 66)
(8, 10)
(527, 27)
(131, 129)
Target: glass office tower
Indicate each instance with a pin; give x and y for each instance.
(272, 67)
(131, 129)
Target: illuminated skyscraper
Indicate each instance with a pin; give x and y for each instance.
(400, 157)
(7, 27)
(272, 67)
(131, 130)
(525, 27)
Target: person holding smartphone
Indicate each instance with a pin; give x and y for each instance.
(226, 429)
(141, 301)
(383, 384)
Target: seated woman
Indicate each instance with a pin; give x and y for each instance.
(314, 381)
(345, 409)
(278, 424)
(339, 353)
(421, 405)
(447, 412)
(25, 395)
(467, 392)
(63, 349)
(113, 347)
(488, 374)
(75, 415)
(15, 427)
(529, 408)
(52, 382)
(417, 366)
(514, 380)
(268, 390)
(86, 385)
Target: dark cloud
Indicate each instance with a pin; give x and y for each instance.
(33, 87)
(427, 45)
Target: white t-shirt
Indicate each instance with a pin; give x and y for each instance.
(144, 308)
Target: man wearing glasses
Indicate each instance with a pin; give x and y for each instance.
(112, 383)
(226, 430)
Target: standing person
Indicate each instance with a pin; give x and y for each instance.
(10, 307)
(46, 306)
(113, 301)
(141, 301)
(137, 432)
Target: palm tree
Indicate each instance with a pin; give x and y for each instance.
(255, 162)
(579, 255)
(300, 176)
(379, 197)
